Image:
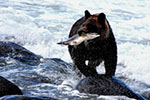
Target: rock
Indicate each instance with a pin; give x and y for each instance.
(17, 52)
(52, 71)
(106, 85)
(21, 97)
(8, 88)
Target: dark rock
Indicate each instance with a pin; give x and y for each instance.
(106, 85)
(21, 97)
(15, 51)
(8, 88)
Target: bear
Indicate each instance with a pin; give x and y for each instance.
(95, 50)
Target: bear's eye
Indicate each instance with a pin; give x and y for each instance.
(89, 26)
(92, 28)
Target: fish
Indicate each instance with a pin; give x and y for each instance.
(78, 39)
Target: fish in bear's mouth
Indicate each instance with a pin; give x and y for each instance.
(77, 39)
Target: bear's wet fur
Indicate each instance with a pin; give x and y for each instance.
(94, 51)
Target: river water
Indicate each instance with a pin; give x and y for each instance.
(39, 24)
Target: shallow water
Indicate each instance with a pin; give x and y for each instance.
(39, 24)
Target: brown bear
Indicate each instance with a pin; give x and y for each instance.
(91, 39)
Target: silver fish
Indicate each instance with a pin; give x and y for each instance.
(76, 39)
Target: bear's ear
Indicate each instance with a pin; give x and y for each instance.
(87, 14)
(101, 19)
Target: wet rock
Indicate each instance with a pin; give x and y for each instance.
(17, 52)
(31, 79)
(55, 69)
(106, 85)
(8, 88)
(21, 97)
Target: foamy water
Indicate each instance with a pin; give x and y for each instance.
(39, 24)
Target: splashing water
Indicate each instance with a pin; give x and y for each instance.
(39, 24)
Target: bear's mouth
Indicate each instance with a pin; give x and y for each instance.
(76, 39)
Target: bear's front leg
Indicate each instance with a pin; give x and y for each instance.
(110, 63)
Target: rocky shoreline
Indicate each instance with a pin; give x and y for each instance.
(56, 71)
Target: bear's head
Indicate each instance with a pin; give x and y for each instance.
(93, 26)
(96, 24)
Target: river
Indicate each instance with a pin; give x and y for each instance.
(39, 24)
